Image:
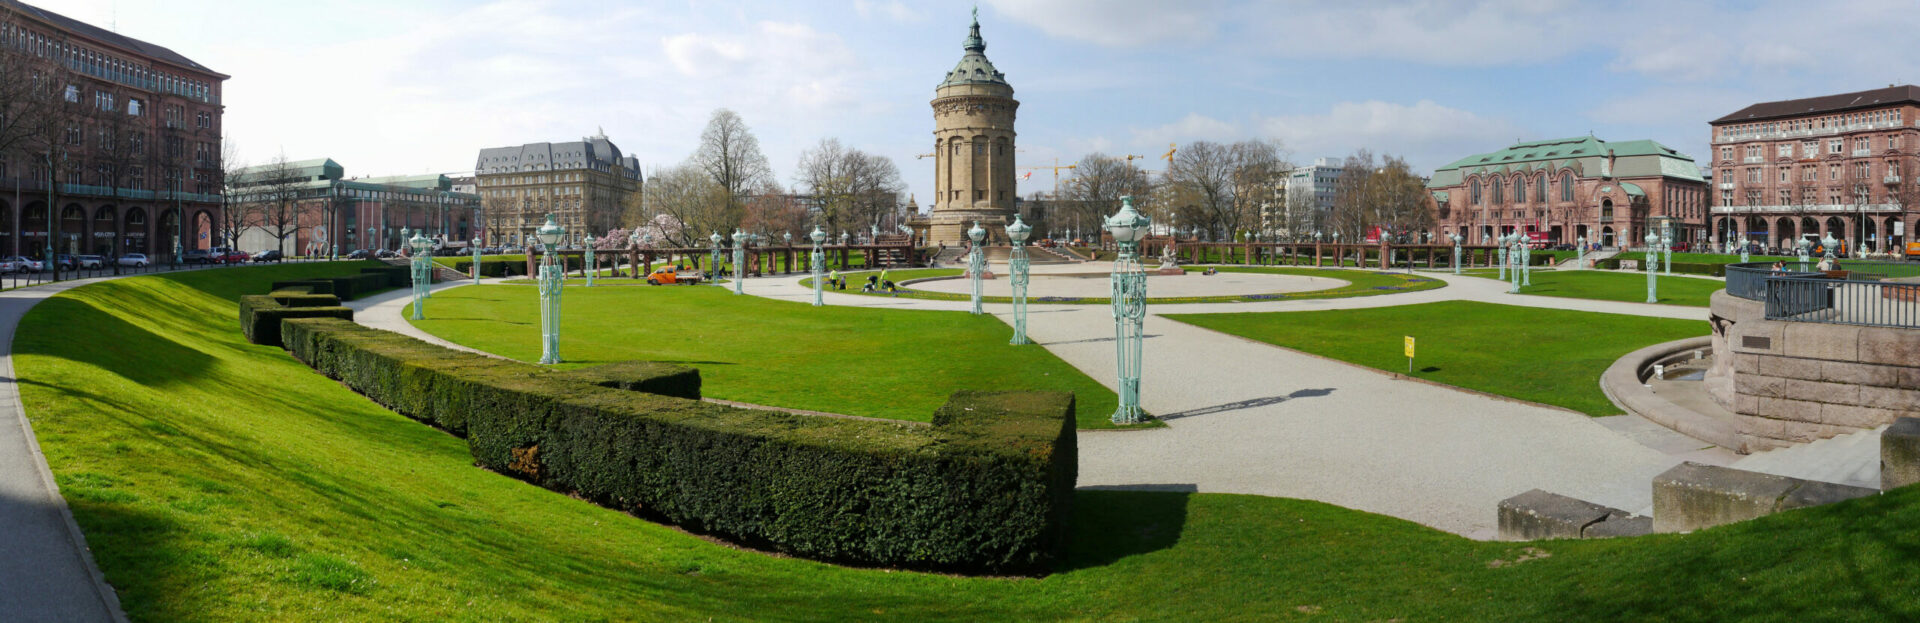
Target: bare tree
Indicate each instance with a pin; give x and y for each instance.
(1221, 187)
(1098, 183)
(777, 212)
(1384, 194)
(687, 196)
(853, 189)
(273, 191)
(235, 214)
(730, 156)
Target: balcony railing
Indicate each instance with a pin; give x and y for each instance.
(1862, 153)
(1881, 294)
(1891, 179)
(1782, 134)
(1726, 186)
(1755, 159)
(1821, 207)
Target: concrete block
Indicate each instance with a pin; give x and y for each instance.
(1859, 374)
(1692, 496)
(1907, 400)
(1891, 346)
(1759, 385)
(1909, 378)
(1900, 453)
(1817, 391)
(1617, 526)
(1855, 416)
(1790, 368)
(1538, 514)
(1746, 404)
(1744, 363)
(1833, 342)
(1788, 409)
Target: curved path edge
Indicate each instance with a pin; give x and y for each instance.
(1622, 384)
(47, 572)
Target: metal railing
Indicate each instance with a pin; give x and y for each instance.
(24, 276)
(1880, 294)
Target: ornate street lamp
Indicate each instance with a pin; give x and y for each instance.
(739, 261)
(422, 273)
(1827, 244)
(1526, 258)
(1129, 305)
(1512, 243)
(1456, 254)
(1580, 254)
(1017, 265)
(1804, 249)
(1502, 243)
(818, 265)
(1666, 245)
(476, 261)
(549, 235)
(591, 267)
(976, 263)
(1743, 250)
(713, 267)
(1653, 259)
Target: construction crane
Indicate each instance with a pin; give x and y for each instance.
(1169, 155)
(1131, 158)
(1056, 173)
(925, 155)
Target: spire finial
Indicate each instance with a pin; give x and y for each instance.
(974, 42)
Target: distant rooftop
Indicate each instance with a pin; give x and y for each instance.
(1907, 94)
(106, 36)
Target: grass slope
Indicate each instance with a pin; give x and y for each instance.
(1543, 355)
(1601, 285)
(220, 481)
(857, 361)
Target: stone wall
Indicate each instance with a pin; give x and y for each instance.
(1800, 381)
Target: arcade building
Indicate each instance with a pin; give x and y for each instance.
(1570, 189)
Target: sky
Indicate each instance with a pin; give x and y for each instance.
(420, 86)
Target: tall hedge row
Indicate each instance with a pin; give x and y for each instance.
(985, 488)
(396, 276)
(260, 314)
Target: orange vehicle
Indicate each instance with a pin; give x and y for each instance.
(670, 275)
(1913, 250)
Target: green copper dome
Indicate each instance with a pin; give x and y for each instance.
(974, 68)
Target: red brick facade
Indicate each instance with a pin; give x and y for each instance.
(1571, 189)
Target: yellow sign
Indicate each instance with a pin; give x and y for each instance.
(1409, 346)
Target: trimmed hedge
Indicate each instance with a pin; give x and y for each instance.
(986, 488)
(516, 265)
(396, 276)
(301, 298)
(352, 287)
(260, 315)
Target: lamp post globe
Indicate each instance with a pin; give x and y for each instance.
(1129, 297)
(1017, 267)
(548, 236)
(817, 265)
(417, 249)
(1827, 244)
(976, 264)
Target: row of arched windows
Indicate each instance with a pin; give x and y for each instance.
(1496, 187)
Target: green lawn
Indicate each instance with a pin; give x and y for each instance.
(1705, 258)
(858, 361)
(220, 481)
(1601, 285)
(1543, 355)
(1360, 283)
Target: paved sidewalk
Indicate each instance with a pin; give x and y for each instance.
(46, 571)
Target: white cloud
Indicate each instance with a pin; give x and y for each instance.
(1118, 23)
(1425, 133)
(1193, 127)
(891, 9)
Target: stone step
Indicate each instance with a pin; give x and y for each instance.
(1852, 459)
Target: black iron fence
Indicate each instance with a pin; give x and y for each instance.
(21, 273)
(1881, 294)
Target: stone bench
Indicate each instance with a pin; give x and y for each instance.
(1900, 454)
(1692, 496)
(1538, 514)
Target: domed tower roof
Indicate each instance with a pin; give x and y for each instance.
(974, 68)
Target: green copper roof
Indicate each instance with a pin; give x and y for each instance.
(974, 68)
(1633, 190)
(1643, 158)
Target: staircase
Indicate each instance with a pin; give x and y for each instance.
(1852, 459)
(1592, 256)
(892, 256)
(1035, 255)
(441, 274)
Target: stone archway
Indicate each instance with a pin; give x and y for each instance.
(1606, 236)
(9, 237)
(105, 235)
(166, 235)
(33, 229)
(1788, 233)
(73, 229)
(201, 228)
(136, 237)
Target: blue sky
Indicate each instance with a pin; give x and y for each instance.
(403, 86)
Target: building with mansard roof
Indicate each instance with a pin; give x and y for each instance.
(586, 184)
(1611, 193)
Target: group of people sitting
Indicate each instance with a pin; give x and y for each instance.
(875, 283)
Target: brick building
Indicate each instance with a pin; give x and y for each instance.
(130, 147)
(586, 184)
(331, 209)
(1571, 188)
(1836, 164)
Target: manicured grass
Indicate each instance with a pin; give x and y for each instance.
(220, 481)
(1601, 285)
(858, 361)
(1543, 355)
(1704, 258)
(1361, 283)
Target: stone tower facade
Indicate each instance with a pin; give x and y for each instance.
(973, 111)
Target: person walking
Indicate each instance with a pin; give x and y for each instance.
(833, 278)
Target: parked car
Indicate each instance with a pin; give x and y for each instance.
(385, 254)
(670, 275)
(233, 256)
(198, 256)
(24, 264)
(132, 259)
(90, 261)
(269, 255)
(358, 254)
(64, 261)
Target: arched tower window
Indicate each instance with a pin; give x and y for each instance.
(1499, 191)
(1540, 189)
(1474, 189)
(1519, 189)
(1566, 186)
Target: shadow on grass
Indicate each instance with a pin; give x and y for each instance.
(1114, 522)
(1248, 404)
(163, 361)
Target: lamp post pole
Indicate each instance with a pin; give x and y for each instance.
(818, 265)
(1666, 246)
(1653, 258)
(1129, 283)
(476, 261)
(1526, 260)
(1511, 242)
(422, 276)
(1456, 254)
(976, 264)
(1502, 242)
(1743, 251)
(713, 267)
(1017, 266)
(1580, 254)
(739, 261)
(550, 275)
(591, 267)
